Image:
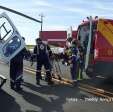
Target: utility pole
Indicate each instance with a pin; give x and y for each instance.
(41, 15)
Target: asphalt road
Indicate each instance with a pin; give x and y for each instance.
(58, 68)
(57, 98)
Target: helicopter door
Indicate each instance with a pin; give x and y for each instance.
(10, 40)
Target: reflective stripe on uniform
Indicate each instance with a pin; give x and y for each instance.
(47, 70)
(12, 80)
(75, 80)
(38, 71)
(20, 76)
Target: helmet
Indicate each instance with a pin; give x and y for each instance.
(74, 42)
(38, 40)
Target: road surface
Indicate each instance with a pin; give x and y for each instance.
(57, 98)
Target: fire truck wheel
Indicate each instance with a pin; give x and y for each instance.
(109, 80)
(89, 72)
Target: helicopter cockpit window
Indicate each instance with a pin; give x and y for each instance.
(11, 46)
(6, 29)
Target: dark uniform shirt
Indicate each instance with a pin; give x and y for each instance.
(42, 51)
(16, 63)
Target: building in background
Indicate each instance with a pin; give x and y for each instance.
(56, 38)
(74, 34)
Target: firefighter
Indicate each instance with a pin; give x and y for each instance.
(51, 59)
(81, 61)
(16, 70)
(42, 53)
(74, 61)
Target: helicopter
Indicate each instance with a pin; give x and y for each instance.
(11, 42)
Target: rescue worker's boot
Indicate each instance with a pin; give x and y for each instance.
(12, 85)
(49, 78)
(38, 82)
(18, 86)
(75, 83)
(59, 77)
(22, 80)
(38, 77)
(50, 82)
(46, 79)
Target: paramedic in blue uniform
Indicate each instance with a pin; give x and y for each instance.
(74, 61)
(42, 52)
(16, 70)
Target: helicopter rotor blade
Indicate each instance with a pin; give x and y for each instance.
(19, 13)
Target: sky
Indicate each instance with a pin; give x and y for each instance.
(58, 14)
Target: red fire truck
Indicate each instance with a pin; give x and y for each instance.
(97, 38)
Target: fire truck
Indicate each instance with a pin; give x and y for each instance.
(96, 36)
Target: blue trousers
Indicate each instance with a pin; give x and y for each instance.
(73, 70)
(46, 63)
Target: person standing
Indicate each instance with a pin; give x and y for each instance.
(81, 60)
(74, 61)
(42, 54)
(16, 70)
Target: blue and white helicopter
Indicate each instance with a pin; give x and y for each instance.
(11, 42)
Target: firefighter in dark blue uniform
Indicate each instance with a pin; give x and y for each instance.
(16, 70)
(74, 61)
(42, 52)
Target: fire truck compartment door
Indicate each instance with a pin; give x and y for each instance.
(11, 43)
